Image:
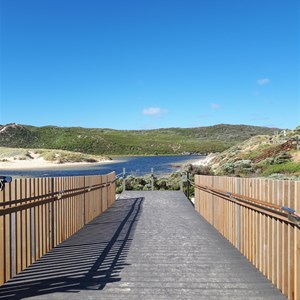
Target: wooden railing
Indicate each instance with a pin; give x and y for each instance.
(260, 217)
(286, 146)
(36, 214)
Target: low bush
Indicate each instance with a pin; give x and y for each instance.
(198, 170)
(171, 182)
(289, 168)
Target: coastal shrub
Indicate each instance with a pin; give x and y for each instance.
(239, 167)
(290, 168)
(266, 162)
(161, 184)
(22, 158)
(147, 187)
(198, 170)
(282, 158)
(171, 182)
(278, 176)
(119, 188)
(245, 163)
(90, 160)
(228, 168)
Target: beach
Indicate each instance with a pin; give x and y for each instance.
(204, 161)
(41, 163)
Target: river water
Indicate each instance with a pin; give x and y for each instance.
(135, 165)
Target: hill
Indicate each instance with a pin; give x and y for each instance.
(129, 142)
(275, 156)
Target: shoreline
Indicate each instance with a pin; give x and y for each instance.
(205, 161)
(38, 164)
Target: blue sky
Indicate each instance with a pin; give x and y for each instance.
(150, 63)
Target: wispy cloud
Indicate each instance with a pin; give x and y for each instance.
(215, 106)
(263, 81)
(154, 111)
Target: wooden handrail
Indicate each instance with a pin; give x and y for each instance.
(79, 191)
(268, 208)
(82, 189)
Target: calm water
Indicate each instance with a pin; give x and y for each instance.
(138, 165)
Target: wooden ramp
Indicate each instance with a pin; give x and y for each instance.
(148, 245)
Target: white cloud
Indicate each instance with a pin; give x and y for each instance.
(154, 111)
(215, 106)
(263, 81)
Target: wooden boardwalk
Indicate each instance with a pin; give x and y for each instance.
(148, 245)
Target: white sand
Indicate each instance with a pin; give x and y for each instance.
(41, 163)
(206, 161)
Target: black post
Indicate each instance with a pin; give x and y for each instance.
(181, 182)
(124, 179)
(152, 180)
(188, 185)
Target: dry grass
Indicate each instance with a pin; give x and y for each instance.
(58, 156)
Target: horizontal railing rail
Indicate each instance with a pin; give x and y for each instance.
(277, 211)
(50, 197)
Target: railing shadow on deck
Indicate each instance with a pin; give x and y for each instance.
(90, 259)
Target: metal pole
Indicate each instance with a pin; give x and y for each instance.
(181, 182)
(152, 180)
(124, 183)
(188, 185)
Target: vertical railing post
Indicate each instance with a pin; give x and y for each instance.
(212, 204)
(13, 248)
(152, 180)
(238, 217)
(124, 180)
(84, 202)
(188, 185)
(52, 215)
(181, 182)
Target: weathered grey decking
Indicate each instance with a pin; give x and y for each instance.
(149, 245)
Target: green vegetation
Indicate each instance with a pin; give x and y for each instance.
(129, 142)
(163, 183)
(238, 160)
(280, 164)
(144, 183)
(289, 168)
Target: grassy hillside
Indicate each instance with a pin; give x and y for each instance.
(129, 142)
(239, 160)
